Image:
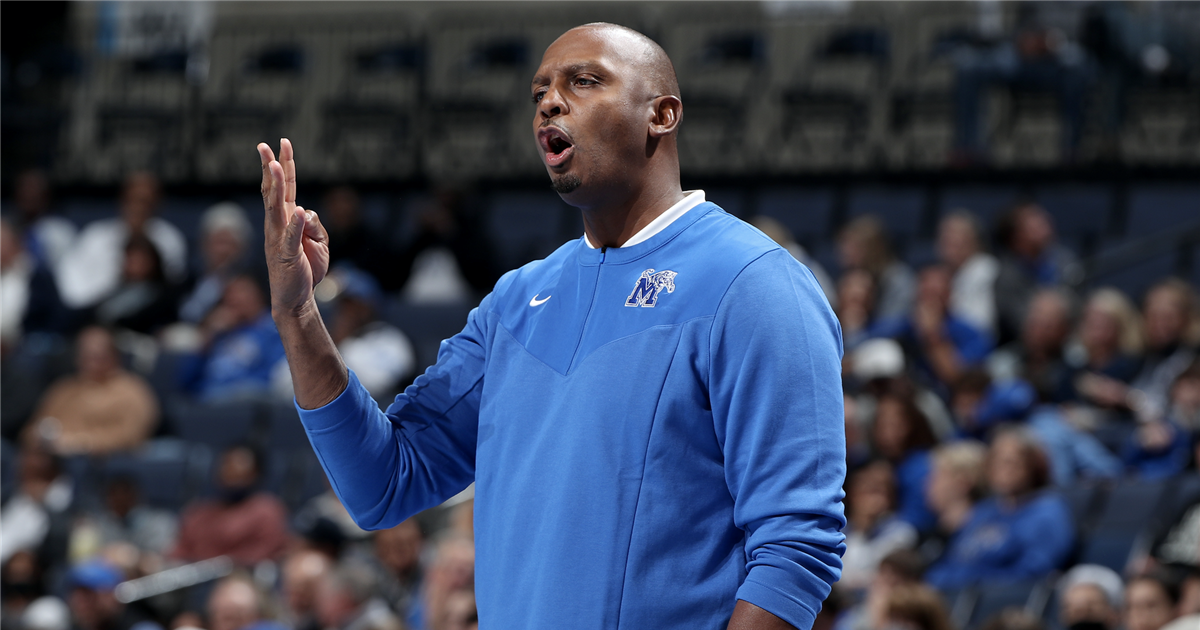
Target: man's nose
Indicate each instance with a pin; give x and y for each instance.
(552, 103)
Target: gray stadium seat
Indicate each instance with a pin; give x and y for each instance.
(1158, 208)
(902, 209)
(1124, 520)
(807, 212)
(166, 472)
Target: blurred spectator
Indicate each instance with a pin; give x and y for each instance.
(39, 508)
(29, 299)
(398, 554)
(1185, 399)
(241, 346)
(380, 354)
(779, 233)
(326, 508)
(352, 241)
(47, 238)
(452, 569)
(915, 607)
(123, 518)
(872, 528)
(1039, 57)
(899, 567)
(46, 613)
(940, 344)
(1022, 532)
(1151, 602)
(858, 443)
(102, 409)
(972, 290)
(1108, 354)
(1172, 321)
(236, 603)
(1157, 449)
(863, 244)
(93, 605)
(981, 404)
(902, 435)
(225, 233)
(855, 306)
(451, 255)
(91, 270)
(1189, 592)
(1090, 598)
(346, 601)
(303, 571)
(1030, 257)
(242, 522)
(143, 301)
(21, 584)
(1177, 542)
(1037, 357)
(956, 482)
(460, 611)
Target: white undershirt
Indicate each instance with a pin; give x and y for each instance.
(692, 199)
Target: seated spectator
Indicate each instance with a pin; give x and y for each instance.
(940, 344)
(93, 605)
(956, 482)
(236, 603)
(39, 509)
(143, 301)
(1012, 618)
(91, 270)
(902, 435)
(29, 300)
(398, 555)
(1030, 257)
(241, 346)
(225, 234)
(242, 522)
(1108, 355)
(102, 409)
(872, 528)
(915, 607)
(1090, 598)
(1185, 399)
(461, 613)
(1189, 592)
(326, 511)
(21, 584)
(123, 518)
(353, 242)
(1151, 602)
(451, 569)
(779, 233)
(1037, 357)
(346, 601)
(901, 567)
(1172, 321)
(303, 570)
(46, 613)
(380, 354)
(858, 443)
(47, 237)
(855, 306)
(960, 248)
(450, 257)
(863, 244)
(1022, 532)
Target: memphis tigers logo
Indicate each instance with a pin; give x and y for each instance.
(649, 285)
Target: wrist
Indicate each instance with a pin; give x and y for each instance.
(282, 313)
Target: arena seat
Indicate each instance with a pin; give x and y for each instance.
(215, 425)
(427, 326)
(526, 226)
(986, 202)
(1081, 213)
(1161, 207)
(996, 597)
(807, 212)
(8, 469)
(1123, 522)
(902, 209)
(166, 472)
(285, 432)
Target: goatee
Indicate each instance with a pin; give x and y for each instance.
(564, 184)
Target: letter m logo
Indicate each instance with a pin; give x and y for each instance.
(649, 285)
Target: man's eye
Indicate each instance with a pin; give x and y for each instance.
(537, 96)
(583, 81)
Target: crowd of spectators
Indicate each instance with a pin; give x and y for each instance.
(978, 389)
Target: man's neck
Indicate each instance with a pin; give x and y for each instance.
(612, 224)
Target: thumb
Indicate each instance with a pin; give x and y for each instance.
(294, 232)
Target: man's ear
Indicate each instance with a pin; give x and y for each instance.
(666, 114)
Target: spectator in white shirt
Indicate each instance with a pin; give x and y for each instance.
(959, 246)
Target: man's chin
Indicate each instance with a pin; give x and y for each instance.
(566, 183)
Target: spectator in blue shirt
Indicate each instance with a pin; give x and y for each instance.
(902, 435)
(1022, 532)
(941, 344)
(241, 349)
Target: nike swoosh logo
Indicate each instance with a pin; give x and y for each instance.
(533, 301)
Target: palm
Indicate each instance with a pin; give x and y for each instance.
(297, 246)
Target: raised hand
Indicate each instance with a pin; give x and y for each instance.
(297, 245)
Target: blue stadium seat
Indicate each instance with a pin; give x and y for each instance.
(984, 201)
(166, 472)
(1081, 213)
(807, 212)
(1133, 279)
(997, 597)
(526, 226)
(1124, 519)
(1084, 500)
(215, 425)
(731, 200)
(285, 432)
(902, 209)
(1158, 208)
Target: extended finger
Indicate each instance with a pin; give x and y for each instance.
(266, 156)
(287, 158)
(277, 212)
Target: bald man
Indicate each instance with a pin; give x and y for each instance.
(652, 415)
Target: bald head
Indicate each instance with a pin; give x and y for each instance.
(640, 52)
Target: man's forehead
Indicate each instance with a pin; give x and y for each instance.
(596, 45)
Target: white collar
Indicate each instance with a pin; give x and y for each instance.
(692, 199)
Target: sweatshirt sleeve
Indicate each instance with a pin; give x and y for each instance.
(775, 387)
(387, 466)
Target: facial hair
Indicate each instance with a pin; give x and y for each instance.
(564, 184)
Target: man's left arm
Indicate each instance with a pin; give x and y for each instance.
(775, 389)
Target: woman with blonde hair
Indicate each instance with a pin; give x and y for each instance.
(1107, 351)
(863, 244)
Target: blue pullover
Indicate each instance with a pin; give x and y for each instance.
(655, 431)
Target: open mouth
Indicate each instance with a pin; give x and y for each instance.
(556, 145)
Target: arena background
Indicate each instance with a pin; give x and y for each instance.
(415, 116)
